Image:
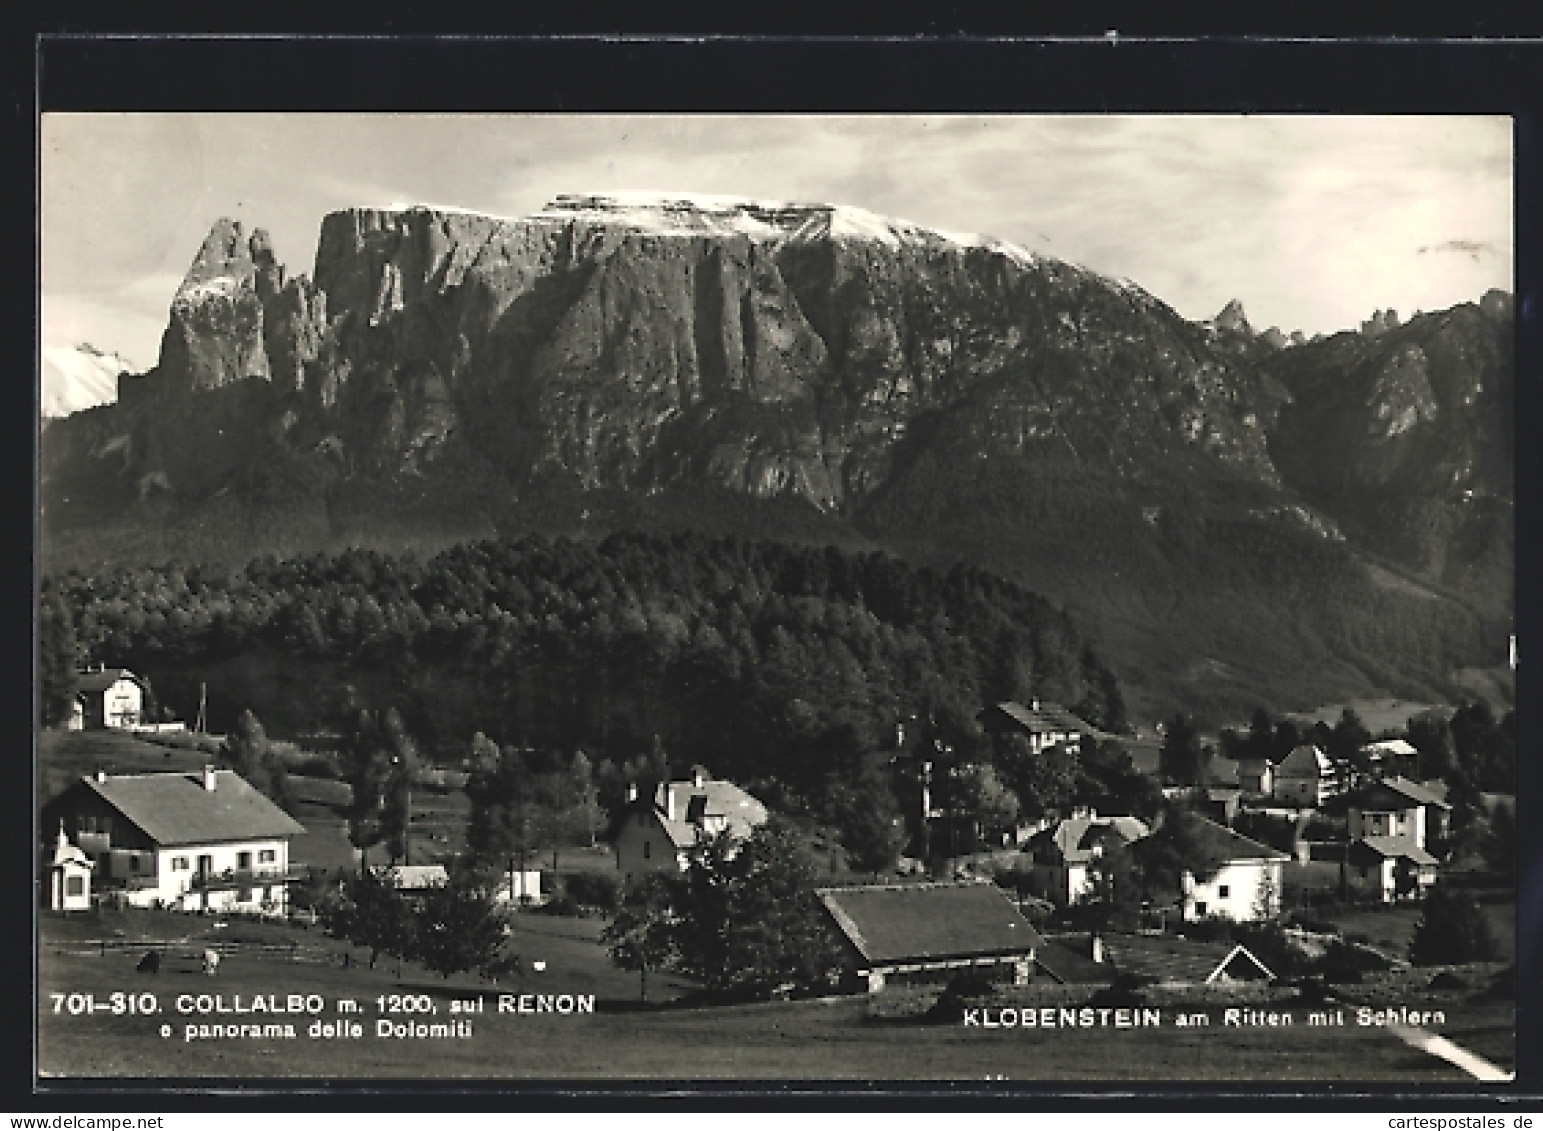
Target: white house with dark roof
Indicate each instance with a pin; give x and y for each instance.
(107, 698)
(1231, 877)
(1064, 852)
(657, 834)
(186, 841)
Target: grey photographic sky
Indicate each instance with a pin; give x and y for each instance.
(1313, 222)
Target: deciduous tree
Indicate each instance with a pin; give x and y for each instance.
(1452, 929)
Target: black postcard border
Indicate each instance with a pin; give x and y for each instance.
(92, 64)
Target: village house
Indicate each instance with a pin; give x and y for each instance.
(927, 930)
(1221, 804)
(107, 697)
(1392, 757)
(1390, 868)
(1305, 777)
(1044, 724)
(1397, 807)
(1064, 853)
(1256, 777)
(1232, 877)
(201, 841)
(657, 834)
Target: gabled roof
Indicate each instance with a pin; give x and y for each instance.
(897, 923)
(1413, 792)
(1067, 960)
(1393, 847)
(99, 681)
(1390, 747)
(1219, 846)
(1305, 761)
(740, 812)
(1043, 717)
(1176, 960)
(174, 809)
(1076, 837)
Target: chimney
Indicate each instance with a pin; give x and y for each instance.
(1098, 949)
(669, 802)
(1034, 704)
(632, 792)
(209, 778)
(101, 776)
(698, 776)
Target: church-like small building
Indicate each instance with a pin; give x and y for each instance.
(69, 876)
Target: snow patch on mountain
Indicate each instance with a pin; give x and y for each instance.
(688, 214)
(79, 377)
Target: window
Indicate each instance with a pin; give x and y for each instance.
(248, 895)
(179, 863)
(267, 856)
(243, 859)
(1223, 892)
(647, 847)
(1200, 909)
(133, 861)
(74, 885)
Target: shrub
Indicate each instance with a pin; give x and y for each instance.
(561, 904)
(593, 889)
(1452, 929)
(1345, 962)
(316, 766)
(1213, 928)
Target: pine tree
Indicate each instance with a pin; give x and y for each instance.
(58, 680)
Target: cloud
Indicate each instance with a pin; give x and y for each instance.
(1472, 248)
(1312, 221)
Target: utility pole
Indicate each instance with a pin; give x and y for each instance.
(927, 813)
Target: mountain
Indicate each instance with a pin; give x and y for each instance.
(808, 372)
(79, 377)
(1404, 434)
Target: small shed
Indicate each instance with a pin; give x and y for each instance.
(523, 887)
(1172, 960)
(914, 929)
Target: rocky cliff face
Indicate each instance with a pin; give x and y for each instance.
(936, 393)
(1404, 432)
(648, 342)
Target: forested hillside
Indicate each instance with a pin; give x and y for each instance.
(757, 660)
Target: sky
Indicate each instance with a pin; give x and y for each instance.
(1312, 222)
